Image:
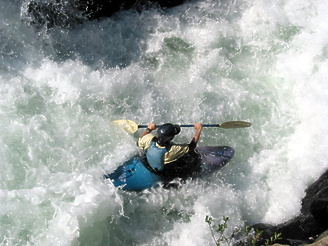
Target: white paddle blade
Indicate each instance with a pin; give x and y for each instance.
(128, 125)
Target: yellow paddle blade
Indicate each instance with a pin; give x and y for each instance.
(235, 124)
(128, 125)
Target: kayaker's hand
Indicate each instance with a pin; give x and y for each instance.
(198, 126)
(152, 126)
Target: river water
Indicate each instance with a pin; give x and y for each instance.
(205, 61)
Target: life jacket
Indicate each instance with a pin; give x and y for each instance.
(154, 160)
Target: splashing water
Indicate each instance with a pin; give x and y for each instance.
(206, 61)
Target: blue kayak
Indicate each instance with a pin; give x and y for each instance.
(135, 175)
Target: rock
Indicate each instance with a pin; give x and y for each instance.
(312, 221)
(323, 235)
(69, 13)
(95, 9)
(321, 242)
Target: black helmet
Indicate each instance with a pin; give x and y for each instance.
(168, 130)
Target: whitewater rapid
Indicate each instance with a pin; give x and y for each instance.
(204, 61)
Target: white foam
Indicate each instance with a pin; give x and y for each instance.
(265, 63)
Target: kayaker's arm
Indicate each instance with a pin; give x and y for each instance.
(150, 127)
(198, 127)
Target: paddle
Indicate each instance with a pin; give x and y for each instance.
(131, 127)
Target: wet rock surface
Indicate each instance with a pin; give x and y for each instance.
(70, 13)
(310, 223)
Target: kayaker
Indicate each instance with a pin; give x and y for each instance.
(180, 160)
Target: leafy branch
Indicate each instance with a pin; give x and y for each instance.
(252, 236)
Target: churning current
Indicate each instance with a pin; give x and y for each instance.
(205, 61)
